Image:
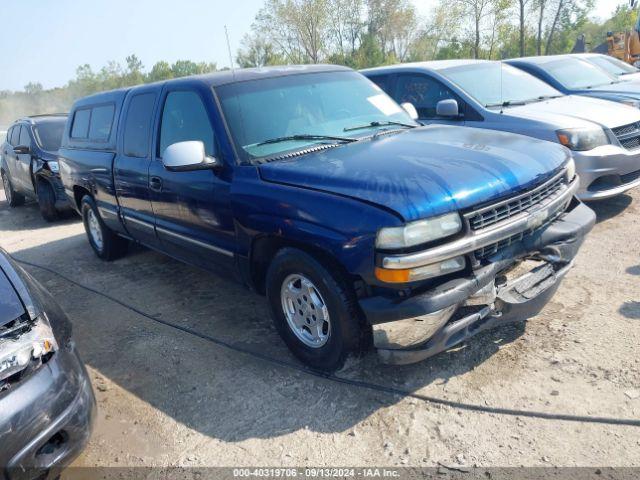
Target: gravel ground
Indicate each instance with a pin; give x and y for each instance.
(169, 398)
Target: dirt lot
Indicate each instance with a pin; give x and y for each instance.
(167, 397)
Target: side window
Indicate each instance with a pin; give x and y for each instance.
(15, 136)
(80, 128)
(100, 124)
(184, 118)
(25, 138)
(424, 92)
(137, 125)
(9, 133)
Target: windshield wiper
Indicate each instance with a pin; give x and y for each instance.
(548, 97)
(508, 103)
(302, 137)
(382, 123)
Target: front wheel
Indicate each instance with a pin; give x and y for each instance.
(14, 199)
(313, 310)
(47, 201)
(105, 242)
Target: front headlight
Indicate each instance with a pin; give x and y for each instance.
(582, 139)
(419, 232)
(53, 166)
(17, 352)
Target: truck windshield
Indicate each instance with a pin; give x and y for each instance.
(612, 65)
(271, 116)
(496, 84)
(49, 134)
(575, 74)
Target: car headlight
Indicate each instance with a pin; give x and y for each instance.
(419, 232)
(630, 102)
(53, 166)
(582, 139)
(17, 352)
(571, 169)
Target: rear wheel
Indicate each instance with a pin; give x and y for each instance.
(47, 201)
(14, 199)
(313, 310)
(105, 242)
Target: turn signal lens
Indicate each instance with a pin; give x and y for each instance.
(392, 276)
(420, 273)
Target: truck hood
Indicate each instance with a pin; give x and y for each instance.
(426, 171)
(575, 111)
(10, 304)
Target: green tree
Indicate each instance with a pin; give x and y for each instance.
(133, 73)
(160, 71)
(257, 51)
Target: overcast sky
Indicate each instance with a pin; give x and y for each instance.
(55, 36)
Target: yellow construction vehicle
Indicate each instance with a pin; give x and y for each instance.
(625, 45)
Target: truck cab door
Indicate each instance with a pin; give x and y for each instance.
(192, 209)
(424, 92)
(131, 166)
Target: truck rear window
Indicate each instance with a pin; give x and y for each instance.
(100, 124)
(80, 127)
(93, 123)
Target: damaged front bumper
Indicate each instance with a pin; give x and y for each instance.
(407, 330)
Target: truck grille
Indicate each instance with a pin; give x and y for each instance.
(492, 214)
(494, 248)
(628, 135)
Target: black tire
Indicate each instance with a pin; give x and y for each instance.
(111, 246)
(346, 335)
(14, 199)
(47, 201)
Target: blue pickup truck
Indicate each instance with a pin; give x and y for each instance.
(310, 185)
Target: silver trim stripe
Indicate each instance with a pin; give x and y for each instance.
(195, 242)
(137, 221)
(519, 223)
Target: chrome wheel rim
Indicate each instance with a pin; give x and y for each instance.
(94, 229)
(7, 188)
(305, 310)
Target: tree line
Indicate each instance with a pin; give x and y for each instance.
(359, 34)
(35, 99)
(366, 33)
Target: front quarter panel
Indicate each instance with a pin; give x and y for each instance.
(342, 227)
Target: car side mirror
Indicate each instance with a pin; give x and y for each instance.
(448, 108)
(22, 149)
(410, 109)
(188, 156)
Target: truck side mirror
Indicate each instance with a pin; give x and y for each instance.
(410, 109)
(22, 150)
(188, 156)
(448, 108)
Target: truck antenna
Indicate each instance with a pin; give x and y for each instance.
(226, 32)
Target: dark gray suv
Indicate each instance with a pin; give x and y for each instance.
(29, 163)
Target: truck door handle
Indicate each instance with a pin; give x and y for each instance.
(155, 184)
